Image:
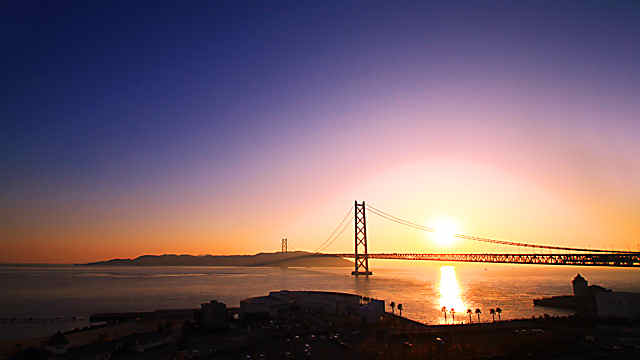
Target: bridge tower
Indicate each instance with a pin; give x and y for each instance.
(360, 227)
(284, 245)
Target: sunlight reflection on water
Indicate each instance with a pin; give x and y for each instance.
(450, 292)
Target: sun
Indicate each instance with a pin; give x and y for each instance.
(445, 229)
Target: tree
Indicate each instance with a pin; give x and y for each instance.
(499, 311)
(400, 309)
(453, 315)
(444, 311)
(493, 313)
(478, 312)
(469, 312)
(393, 307)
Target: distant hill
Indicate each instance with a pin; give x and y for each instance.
(290, 259)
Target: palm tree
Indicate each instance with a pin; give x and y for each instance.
(499, 311)
(453, 315)
(393, 307)
(478, 312)
(493, 313)
(444, 311)
(469, 312)
(400, 309)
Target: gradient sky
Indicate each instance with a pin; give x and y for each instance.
(221, 126)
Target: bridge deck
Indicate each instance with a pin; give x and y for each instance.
(599, 259)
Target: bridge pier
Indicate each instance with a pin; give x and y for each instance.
(356, 273)
(360, 228)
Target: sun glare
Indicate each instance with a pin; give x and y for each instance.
(444, 231)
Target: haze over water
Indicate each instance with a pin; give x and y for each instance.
(45, 292)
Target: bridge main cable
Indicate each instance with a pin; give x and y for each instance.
(416, 226)
(336, 232)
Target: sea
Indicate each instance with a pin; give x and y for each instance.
(38, 300)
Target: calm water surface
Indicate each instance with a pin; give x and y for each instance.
(37, 301)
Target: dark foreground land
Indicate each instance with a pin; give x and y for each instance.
(300, 334)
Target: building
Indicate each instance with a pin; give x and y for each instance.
(213, 315)
(580, 286)
(613, 304)
(278, 303)
(597, 301)
(372, 310)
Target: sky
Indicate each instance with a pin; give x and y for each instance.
(219, 127)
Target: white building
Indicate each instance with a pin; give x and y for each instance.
(328, 302)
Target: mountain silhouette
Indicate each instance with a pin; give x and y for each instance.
(289, 259)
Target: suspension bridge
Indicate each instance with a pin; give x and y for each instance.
(558, 255)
